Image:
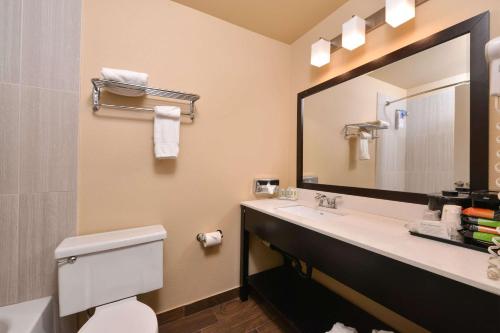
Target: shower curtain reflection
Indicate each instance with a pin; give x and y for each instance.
(429, 142)
(391, 147)
(427, 154)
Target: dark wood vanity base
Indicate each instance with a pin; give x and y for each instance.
(306, 305)
(437, 303)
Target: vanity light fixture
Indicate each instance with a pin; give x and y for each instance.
(398, 12)
(320, 52)
(353, 33)
(395, 13)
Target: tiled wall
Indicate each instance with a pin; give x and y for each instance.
(39, 93)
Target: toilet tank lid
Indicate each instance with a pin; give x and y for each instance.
(80, 245)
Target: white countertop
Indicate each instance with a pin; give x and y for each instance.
(389, 237)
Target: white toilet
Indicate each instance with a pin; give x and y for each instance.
(106, 271)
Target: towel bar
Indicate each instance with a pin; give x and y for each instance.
(368, 127)
(172, 94)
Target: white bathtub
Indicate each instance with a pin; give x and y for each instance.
(28, 317)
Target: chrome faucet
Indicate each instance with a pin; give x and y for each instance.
(330, 202)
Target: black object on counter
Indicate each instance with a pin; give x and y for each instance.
(485, 199)
(453, 197)
(467, 243)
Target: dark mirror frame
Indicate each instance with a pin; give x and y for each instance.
(479, 29)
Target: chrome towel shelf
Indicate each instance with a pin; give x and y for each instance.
(367, 127)
(98, 84)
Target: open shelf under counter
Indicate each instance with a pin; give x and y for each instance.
(307, 306)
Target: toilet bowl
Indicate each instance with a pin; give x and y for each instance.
(125, 316)
(107, 271)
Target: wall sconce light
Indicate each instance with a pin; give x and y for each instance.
(398, 12)
(353, 33)
(320, 52)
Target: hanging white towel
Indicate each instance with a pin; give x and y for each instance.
(364, 151)
(125, 76)
(166, 131)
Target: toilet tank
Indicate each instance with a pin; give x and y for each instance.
(105, 267)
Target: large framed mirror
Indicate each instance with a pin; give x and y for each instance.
(410, 123)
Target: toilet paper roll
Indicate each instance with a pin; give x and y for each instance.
(211, 238)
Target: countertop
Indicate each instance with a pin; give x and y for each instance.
(389, 237)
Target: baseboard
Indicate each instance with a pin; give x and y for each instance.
(197, 306)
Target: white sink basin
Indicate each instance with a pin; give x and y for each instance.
(310, 213)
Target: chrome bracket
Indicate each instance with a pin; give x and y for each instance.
(69, 260)
(191, 110)
(96, 94)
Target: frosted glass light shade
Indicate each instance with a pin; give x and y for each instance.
(353, 33)
(320, 53)
(398, 12)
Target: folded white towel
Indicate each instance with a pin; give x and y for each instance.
(341, 328)
(380, 123)
(364, 149)
(125, 76)
(166, 131)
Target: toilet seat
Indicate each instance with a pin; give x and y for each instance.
(125, 316)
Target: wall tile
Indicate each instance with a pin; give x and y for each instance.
(9, 139)
(10, 40)
(45, 219)
(9, 208)
(49, 125)
(39, 48)
(51, 44)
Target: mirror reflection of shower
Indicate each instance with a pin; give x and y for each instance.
(427, 152)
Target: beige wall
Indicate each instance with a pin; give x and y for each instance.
(241, 131)
(432, 17)
(327, 154)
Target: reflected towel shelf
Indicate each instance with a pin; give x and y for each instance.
(98, 84)
(367, 127)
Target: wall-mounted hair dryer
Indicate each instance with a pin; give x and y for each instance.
(493, 57)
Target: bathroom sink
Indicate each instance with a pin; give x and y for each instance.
(310, 213)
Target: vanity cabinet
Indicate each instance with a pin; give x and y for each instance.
(435, 302)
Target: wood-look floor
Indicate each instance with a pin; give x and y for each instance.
(230, 317)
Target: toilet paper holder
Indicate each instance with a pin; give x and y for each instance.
(201, 236)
